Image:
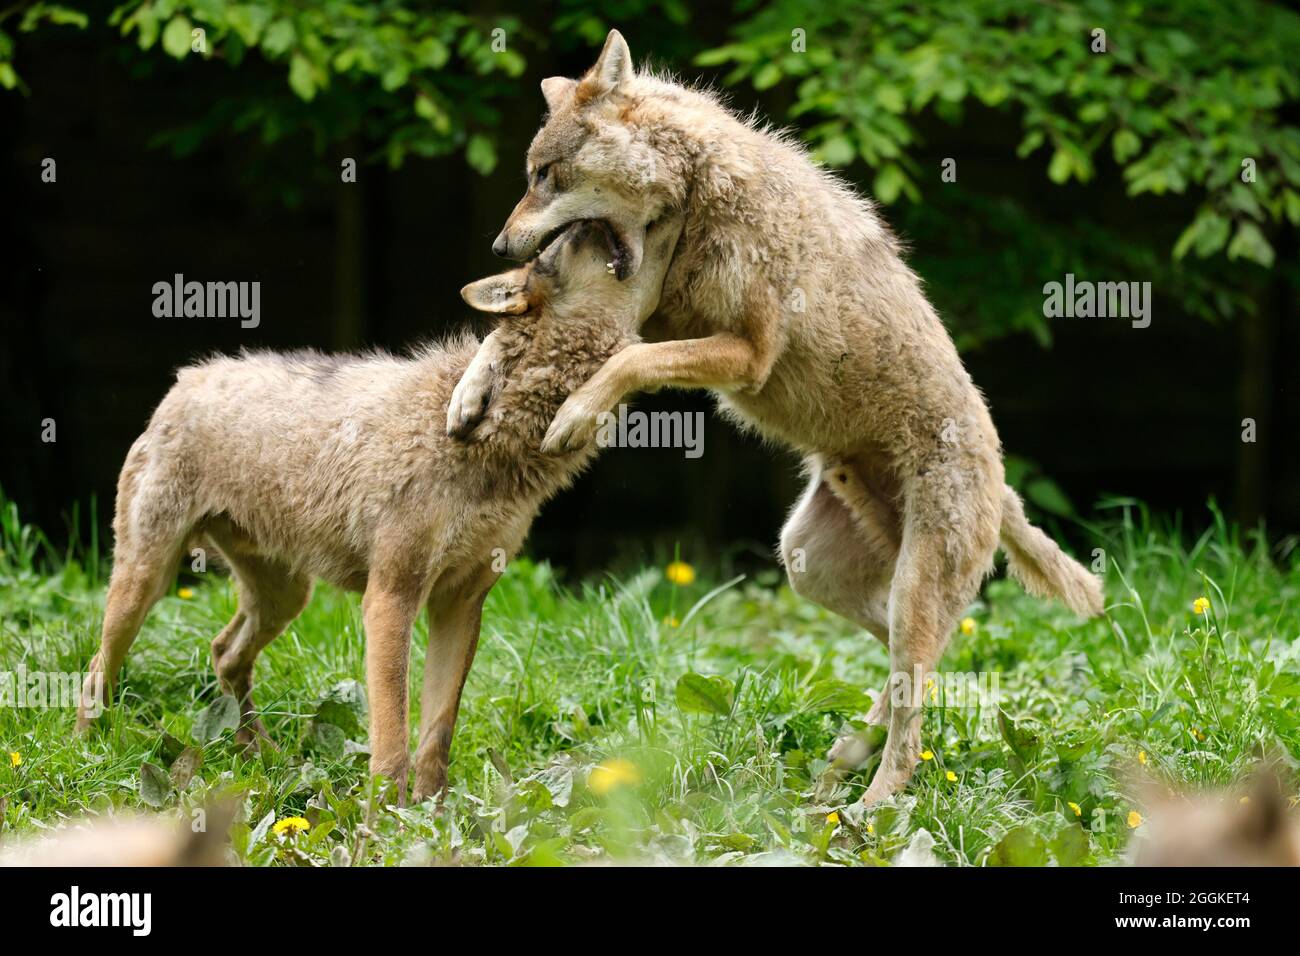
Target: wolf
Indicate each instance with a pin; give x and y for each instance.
(788, 297)
(299, 467)
(128, 840)
(1249, 825)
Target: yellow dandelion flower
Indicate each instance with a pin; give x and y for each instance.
(291, 825)
(968, 625)
(611, 774)
(1078, 810)
(1200, 605)
(952, 777)
(871, 828)
(672, 621)
(1134, 819)
(1142, 757)
(185, 593)
(833, 818)
(680, 573)
(15, 758)
(927, 754)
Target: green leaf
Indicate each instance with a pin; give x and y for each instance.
(326, 739)
(697, 694)
(891, 98)
(1061, 166)
(215, 719)
(176, 37)
(344, 706)
(263, 827)
(768, 75)
(1125, 144)
(889, 183)
(1070, 845)
(831, 695)
(184, 767)
(279, 36)
(1022, 743)
(836, 151)
(1207, 235)
(155, 786)
(1021, 847)
(1249, 243)
(481, 154)
(302, 78)
(1048, 495)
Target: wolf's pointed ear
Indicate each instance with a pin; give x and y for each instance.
(556, 89)
(612, 69)
(501, 295)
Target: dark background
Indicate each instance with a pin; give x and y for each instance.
(1107, 409)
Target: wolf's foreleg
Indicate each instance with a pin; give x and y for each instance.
(473, 393)
(724, 360)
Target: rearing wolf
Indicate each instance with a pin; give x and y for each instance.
(787, 297)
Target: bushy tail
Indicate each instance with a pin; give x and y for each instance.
(1041, 567)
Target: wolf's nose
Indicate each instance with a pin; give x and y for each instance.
(499, 246)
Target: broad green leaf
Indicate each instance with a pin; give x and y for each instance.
(1249, 243)
(215, 719)
(279, 36)
(302, 77)
(1125, 144)
(176, 37)
(1070, 845)
(184, 767)
(836, 151)
(1061, 166)
(481, 154)
(1048, 495)
(697, 694)
(155, 786)
(889, 183)
(768, 75)
(1020, 847)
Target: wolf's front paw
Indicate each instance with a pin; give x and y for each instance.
(469, 400)
(573, 427)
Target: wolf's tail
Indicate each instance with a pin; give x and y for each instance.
(1041, 567)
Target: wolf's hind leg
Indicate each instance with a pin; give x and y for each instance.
(137, 582)
(270, 596)
(845, 563)
(945, 555)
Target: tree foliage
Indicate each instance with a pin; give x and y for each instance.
(1183, 97)
(414, 80)
(1189, 104)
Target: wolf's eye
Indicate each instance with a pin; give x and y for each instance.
(540, 174)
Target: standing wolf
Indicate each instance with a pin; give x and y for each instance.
(787, 296)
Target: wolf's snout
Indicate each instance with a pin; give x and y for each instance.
(500, 246)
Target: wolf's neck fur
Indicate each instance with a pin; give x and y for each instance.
(543, 362)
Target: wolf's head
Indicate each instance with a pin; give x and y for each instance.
(576, 276)
(589, 162)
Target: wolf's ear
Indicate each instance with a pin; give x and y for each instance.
(500, 295)
(556, 89)
(612, 69)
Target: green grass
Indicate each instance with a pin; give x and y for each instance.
(698, 771)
